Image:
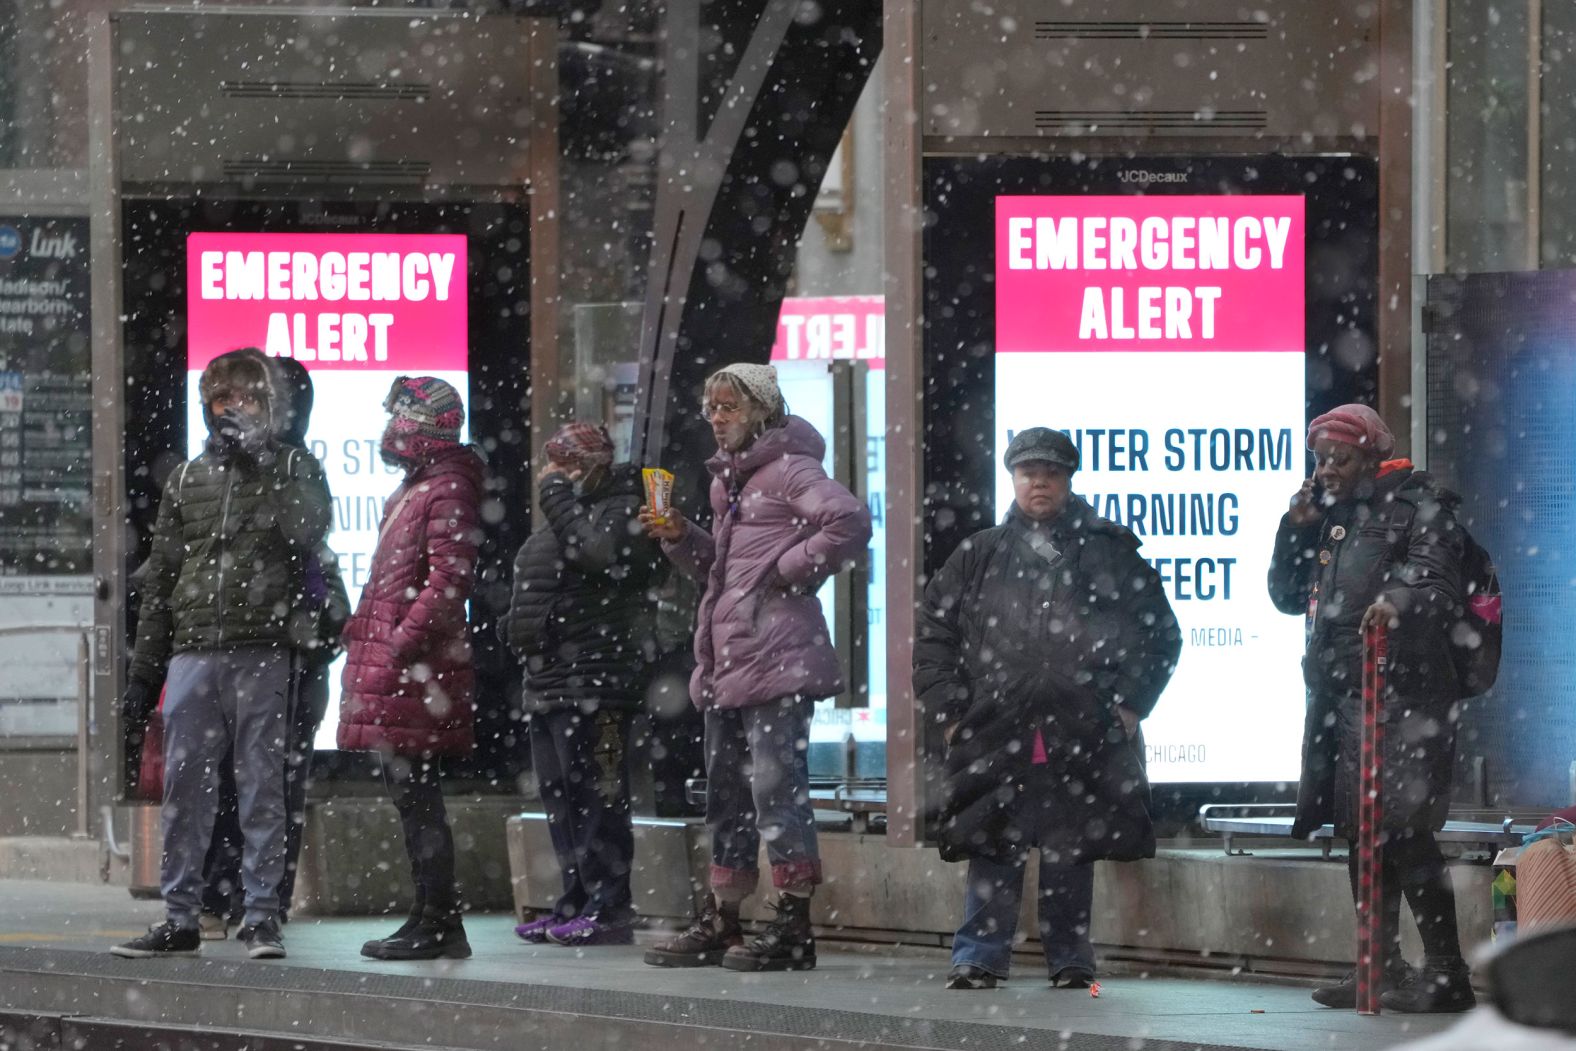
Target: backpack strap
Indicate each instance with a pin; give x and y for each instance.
(180, 483)
(1401, 523)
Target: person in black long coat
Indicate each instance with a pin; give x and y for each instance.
(1041, 645)
(583, 623)
(1380, 543)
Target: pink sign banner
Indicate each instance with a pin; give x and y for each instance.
(832, 328)
(374, 302)
(1149, 273)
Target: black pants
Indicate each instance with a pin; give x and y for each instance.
(417, 791)
(222, 868)
(1411, 864)
(582, 767)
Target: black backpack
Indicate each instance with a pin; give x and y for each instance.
(1479, 629)
(1477, 626)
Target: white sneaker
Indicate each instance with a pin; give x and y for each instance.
(211, 927)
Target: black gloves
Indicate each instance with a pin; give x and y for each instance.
(136, 704)
(244, 433)
(136, 707)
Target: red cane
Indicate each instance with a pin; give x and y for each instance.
(1370, 820)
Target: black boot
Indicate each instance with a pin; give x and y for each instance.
(438, 934)
(786, 944)
(1444, 985)
(715, 931)
(416, 909)
(1344, 993)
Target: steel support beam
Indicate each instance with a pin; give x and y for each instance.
(743, 153)
(1394, 302)
(905, 389)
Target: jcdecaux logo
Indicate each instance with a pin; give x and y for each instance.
(10, 241)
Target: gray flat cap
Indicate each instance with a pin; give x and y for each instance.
(1042, 443)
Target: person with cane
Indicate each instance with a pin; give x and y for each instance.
(1371, 543)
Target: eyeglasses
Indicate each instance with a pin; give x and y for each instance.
(711, 410)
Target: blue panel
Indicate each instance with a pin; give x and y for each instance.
(1501, 406)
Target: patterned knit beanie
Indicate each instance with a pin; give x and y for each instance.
(425, 407)
(757, 381)
(583, 444)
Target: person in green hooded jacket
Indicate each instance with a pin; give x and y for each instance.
(223, 617)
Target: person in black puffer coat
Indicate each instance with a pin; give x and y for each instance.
(583, 623)
(1380, 544)
(1041, 644)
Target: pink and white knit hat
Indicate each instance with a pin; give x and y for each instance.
(425, 406)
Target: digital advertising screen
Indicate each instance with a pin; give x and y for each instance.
(357, 310)
(1165, 335)
(812, 333)
(1181, 319)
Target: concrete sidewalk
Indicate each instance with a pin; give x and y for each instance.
(53, 958)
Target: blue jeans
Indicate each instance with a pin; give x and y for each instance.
(582, 766)
(222, 870)
(758, 787)
(990, 915)
(218, 704)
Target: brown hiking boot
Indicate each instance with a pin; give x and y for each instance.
(705, 943)
(787, 943)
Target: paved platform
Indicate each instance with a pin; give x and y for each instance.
(53, 959)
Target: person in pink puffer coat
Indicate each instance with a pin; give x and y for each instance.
(764, 656)
(409, 680)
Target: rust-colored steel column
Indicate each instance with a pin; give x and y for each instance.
(1370, 822)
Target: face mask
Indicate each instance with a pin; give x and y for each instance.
(229, 426)
(389, 448)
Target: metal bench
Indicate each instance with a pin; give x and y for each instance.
(862, 799)
(1230, 820)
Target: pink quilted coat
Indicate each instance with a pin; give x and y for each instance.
(409, 678)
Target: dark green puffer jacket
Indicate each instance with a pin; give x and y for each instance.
(227, 566)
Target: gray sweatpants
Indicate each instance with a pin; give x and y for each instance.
(215, 700)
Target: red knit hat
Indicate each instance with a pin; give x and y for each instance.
(1354, 425)
(585, 444)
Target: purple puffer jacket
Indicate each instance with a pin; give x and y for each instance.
(782, 528)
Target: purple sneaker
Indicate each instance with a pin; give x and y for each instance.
(535, 932)
(588, 930)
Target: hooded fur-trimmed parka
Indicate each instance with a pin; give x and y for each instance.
(234, 531)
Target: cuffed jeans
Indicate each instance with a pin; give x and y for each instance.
(582, 767)
(758, 787)
(216, 701)
(990, 915)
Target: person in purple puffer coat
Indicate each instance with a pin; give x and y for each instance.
(763, 657)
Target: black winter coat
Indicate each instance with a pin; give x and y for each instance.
(229, 551)
(582, 618)
(1399, 539)
(1045, 628)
